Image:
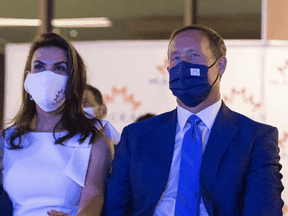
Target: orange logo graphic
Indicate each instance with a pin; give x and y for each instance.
(285, 209)
(282, 69)
(283, 140)
(122, 92)
(247, 99)
(162, 69)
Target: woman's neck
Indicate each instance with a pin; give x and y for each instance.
(46, 121)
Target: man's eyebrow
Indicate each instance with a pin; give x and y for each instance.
(174, 52)
(192, 50)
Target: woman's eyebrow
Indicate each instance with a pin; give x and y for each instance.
(61, 62)
(37, 61)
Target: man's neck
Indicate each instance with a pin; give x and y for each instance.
(211, 99)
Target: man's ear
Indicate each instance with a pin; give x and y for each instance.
(103, 110)
(222, 65)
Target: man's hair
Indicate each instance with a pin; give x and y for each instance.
(144, 117)
(73, 117)
(217, 44)
(97, 94)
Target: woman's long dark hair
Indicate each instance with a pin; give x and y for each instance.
(73, 117)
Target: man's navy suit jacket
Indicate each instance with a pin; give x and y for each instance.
(6, 208)
(239, 173)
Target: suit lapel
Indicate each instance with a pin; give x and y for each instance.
(163, 153)
(222, 134)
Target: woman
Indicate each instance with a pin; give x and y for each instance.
(55, 160)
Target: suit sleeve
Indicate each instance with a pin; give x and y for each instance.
(118, 195)
(264, 187)
(1, 155)
(5, 203)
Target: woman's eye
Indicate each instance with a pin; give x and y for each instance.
(38, 67)
(60, 69)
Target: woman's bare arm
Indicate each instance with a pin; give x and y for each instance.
(92, 198)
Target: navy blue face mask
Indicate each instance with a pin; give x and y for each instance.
(189, 82)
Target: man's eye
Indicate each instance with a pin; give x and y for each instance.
(176, 58)
(194, 55)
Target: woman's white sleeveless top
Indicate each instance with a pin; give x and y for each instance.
(43, 176)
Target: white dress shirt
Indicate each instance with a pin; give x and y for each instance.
(166, 204)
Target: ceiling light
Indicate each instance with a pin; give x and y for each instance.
(19, 22)
(72, 23)
(56, 30)
(73, 33)
(82, 22)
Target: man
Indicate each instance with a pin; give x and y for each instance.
(93, 105)
(93, 102)
(158, 169)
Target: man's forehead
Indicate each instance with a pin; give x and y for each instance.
(90, 95)
(190, 36)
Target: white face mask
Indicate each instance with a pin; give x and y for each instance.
(47, 89)
(89, 110)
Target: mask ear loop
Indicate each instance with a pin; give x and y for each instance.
(214, 62)
(215, 81)
(217, 74)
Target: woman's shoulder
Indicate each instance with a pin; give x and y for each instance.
(102, 140)
(103, 145)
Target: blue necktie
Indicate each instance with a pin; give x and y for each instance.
(188, 193)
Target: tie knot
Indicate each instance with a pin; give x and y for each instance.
(194, 120)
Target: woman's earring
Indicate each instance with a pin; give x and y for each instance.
(30, 97)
